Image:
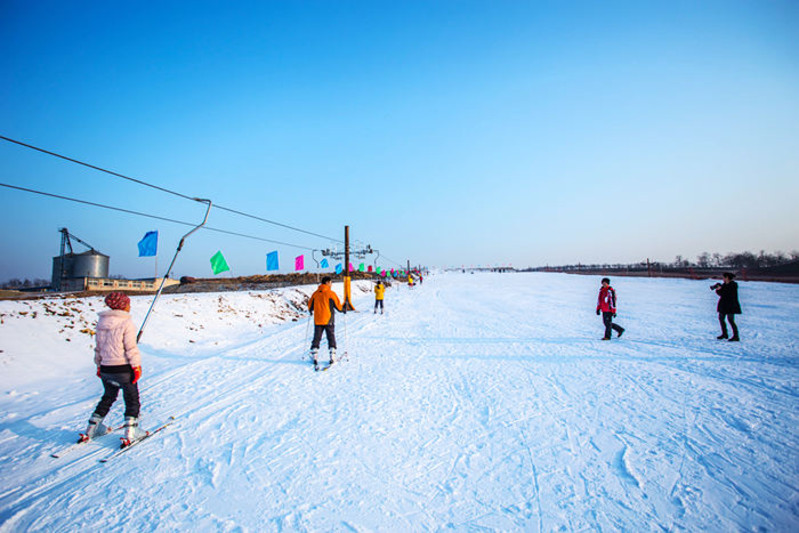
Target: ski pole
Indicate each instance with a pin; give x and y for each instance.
(346, 343)
(168, 270)
(307, 328)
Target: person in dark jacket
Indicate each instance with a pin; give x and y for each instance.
(728, 306)
(606, 305)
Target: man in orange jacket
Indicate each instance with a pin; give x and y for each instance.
(323, 304)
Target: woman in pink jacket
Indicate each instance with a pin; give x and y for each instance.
(119, 366)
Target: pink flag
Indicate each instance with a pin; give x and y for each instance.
(299, 262)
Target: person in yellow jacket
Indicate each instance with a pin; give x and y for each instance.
(380, 292)
(323, 304)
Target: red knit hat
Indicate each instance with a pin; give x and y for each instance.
(117, 300)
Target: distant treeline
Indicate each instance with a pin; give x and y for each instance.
(24, 283)
(704, 261)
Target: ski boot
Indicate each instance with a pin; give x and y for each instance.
(132, 431)
(332, 356)
(96, 428)
(314, 354)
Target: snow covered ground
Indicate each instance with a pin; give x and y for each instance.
(478, 402)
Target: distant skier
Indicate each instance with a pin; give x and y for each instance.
(323, 304)
(380, 292)
(606, 304)
(118, 366)
(728, 306)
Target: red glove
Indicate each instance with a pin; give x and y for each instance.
(136, 373)
(98, 372)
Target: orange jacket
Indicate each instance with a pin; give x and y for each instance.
(322, 303)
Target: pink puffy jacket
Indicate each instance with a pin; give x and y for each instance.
(116, 340)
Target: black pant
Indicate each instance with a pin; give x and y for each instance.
(731, 319)
(607, 319)
(378, 303)
(330, 330)
(112, 382)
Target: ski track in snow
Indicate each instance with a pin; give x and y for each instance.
(477, 402)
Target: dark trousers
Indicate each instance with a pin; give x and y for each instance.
(731, 319)
(330, 330)
(378, 303)
(607, 319)
(112, 382)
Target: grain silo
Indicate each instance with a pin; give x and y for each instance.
(69, 266)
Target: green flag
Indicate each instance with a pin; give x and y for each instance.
(361, 267)
(218, 263)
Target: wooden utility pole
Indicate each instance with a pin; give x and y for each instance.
(347, 281)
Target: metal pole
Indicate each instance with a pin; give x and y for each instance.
(168, 270)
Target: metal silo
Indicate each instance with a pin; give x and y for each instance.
(90, 264)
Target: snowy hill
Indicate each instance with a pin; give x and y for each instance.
(480, 401)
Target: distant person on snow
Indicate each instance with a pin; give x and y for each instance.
(118, 366)
(728, 306)
(380, 292)
(606, 304)
(323, 304)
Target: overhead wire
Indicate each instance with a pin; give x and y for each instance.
(148, 215)
(168, 191)
(162, 189)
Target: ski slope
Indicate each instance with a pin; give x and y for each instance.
(478, 402)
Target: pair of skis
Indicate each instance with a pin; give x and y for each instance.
(322, 367)
(138, 441)
(82, 443)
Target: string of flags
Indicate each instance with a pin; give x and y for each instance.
(148, 247)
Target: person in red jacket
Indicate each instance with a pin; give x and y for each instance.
(323, 304)
(606, 304)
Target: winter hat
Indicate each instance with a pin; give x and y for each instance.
(117, 300)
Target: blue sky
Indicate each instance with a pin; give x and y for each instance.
(444, 133)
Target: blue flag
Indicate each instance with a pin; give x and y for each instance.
(324, 263)
(148, 246)
(339, 268)
(271, 261)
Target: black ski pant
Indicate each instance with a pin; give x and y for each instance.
(607, 319)
(731, 319)
(379, 303)
(330, 330)
(114, 380)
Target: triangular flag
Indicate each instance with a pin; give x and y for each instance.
(361, 267)
(339, 268)
(148, 246)
(218, 263)
(272, 261)
(299, 262)
(325, 264)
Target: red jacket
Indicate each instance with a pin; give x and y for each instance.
(607, 300)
